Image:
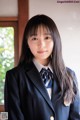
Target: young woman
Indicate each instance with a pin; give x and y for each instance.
(27, 97)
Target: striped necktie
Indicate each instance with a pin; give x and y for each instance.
(46, 76)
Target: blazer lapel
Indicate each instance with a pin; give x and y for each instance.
(56, 93)
(34, 76)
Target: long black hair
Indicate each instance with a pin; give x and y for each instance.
(64, 78)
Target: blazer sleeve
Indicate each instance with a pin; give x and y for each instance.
(75, 106)
(11, 97)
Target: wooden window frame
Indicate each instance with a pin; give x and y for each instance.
(18, 23)
(14, 25)
(16, 55)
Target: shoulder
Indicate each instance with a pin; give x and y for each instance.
(71, 72)
(73, 76)
(16, 76)
(20, 69)
(16, 70)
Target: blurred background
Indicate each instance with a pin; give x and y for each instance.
(13, 18)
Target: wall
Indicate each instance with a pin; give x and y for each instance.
(67, 18)
(8, 8)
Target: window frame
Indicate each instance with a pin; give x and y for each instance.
(14, 25)
(18, 23)
(16, 55)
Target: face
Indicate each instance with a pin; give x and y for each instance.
(41, 45)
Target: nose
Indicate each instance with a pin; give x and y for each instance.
(41, 43)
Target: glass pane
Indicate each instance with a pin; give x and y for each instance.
(6, 55)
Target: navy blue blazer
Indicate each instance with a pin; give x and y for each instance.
(26, 97)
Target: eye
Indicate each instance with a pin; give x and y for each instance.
(47, 37)
(34, 38)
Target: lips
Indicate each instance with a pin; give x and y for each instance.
(41, 52)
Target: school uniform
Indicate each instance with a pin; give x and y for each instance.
(26, 97)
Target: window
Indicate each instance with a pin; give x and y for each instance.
(6, 55)
(18, 24)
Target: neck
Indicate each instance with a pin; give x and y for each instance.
(44, 62)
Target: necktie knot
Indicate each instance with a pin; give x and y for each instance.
(47, 77)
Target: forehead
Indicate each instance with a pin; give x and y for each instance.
(39, 29)
(42, 29)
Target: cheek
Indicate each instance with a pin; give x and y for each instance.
(30, 45)
(32, 48)
(51, 45)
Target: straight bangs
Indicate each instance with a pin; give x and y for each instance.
(33, 30)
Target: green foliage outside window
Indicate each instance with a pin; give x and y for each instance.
(6, 55)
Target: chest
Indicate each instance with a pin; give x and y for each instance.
(35, 100)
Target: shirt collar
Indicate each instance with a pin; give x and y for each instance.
(40, 66)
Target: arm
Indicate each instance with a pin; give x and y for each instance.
(75, 106)
(11, 97)
(75, 109)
